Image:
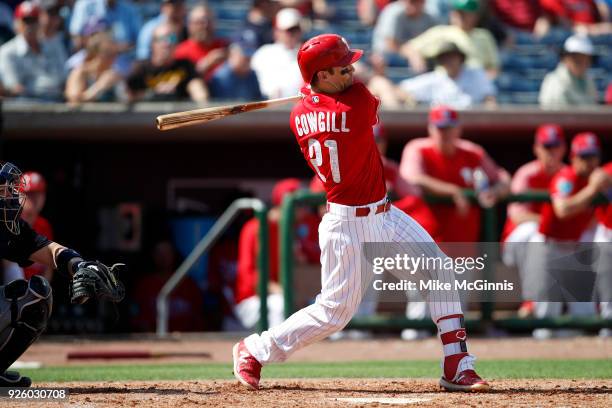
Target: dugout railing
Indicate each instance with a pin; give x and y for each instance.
(489, 233)
(207, 241)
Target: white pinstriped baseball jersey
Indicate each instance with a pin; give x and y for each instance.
(342, 232)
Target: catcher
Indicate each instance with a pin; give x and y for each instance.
(25, 306)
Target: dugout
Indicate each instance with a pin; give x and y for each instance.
(105, 155)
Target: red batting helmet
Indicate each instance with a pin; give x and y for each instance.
(34, 182)
(325, 51)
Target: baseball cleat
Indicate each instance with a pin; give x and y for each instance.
(467, 381)
(14, 379)
(246, 368)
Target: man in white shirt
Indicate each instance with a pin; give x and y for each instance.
(276, 64)
(31, 67)
(451, 83)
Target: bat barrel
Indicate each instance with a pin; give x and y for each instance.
(193, 117)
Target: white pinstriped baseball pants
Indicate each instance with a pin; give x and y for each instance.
(341, 235)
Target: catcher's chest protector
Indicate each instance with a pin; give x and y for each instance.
(25, 308)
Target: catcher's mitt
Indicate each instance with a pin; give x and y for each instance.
(94, 279)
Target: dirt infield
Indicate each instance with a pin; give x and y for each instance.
(339, 392)
(335, 393)
(54, 353)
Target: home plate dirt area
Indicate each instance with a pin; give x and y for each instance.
(332, 393)
(376, 373)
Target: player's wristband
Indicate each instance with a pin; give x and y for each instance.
(64, 259)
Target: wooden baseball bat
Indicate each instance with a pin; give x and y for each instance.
(194, 117)
(131, 354)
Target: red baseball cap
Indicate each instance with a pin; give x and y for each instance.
(26, 9)
(443, 116)
(34, 182)
(549, 135)
(585, 144)
(284, 187)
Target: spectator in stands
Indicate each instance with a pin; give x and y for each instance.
(120, 15)
(93, 27)
(399, 22)
(478, 43)
(451, 83)
(35, 188)
(369, 10)
(257, 28)
(51, 22)
(604, 25)
(565, 221)
(570, 84)
(517, 14)
(523, 219)
(186, 303)
(235, 79)
(276, 64)
(608, 96)
(31, 67)
(319, 11)
(95, 79)
(202, 48)
(605, 10)
(439, 9)
(163, 77)
(567, 14)
(443, 164)
(307, 250)
(171, 11)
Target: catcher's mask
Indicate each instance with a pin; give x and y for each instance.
(12, 197)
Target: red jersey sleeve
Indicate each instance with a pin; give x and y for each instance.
(372, 101)
(561, 186)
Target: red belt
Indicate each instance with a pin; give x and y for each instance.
(365, 211)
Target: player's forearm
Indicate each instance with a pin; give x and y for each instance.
(414, 57)
(501, 188)
(197, 90)
(566, 207)
(58, 257)
(436, 186)
(107, 80)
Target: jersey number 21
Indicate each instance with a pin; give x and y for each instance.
(315, 152)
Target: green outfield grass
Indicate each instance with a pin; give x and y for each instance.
(492, 369)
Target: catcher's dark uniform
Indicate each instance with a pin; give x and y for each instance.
(18, 248)
(25, 306)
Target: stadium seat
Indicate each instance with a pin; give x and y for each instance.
(524, 98)
(512, 82)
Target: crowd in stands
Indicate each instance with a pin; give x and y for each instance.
(463, 53)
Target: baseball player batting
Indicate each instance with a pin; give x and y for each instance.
(333, 126)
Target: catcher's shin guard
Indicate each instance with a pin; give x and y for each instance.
(25, 308)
